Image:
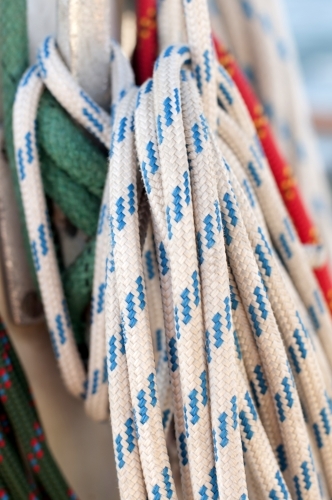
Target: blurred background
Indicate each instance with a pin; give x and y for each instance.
(311, 24)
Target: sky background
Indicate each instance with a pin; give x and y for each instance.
(311, 23)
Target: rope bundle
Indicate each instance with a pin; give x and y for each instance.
(202, 319)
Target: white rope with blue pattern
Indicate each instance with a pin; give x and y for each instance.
(51, 71)
(231, 317)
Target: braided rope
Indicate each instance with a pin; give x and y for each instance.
(234, 356)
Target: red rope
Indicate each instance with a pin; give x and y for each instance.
(282, 172)
(146, 49)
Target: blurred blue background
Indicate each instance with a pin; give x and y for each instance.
(311, 23)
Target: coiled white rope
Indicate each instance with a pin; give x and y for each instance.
(259, 36)
(235, 355)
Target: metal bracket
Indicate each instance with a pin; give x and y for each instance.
(84, 30)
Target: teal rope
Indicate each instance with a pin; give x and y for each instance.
(73, 166)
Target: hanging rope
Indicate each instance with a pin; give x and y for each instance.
(283, 175)
(245, 376)
(19, 423)
(168, 212)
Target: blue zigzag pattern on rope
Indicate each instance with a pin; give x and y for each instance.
(326, 421)
(203, 378)
(183, 448)
(95, 382)
(112, 353)
(152, 387)
(177, 322)
(152, 157)
(294, 359)
(143, 410)
(163, 259)
(120, 213)
(282, 458)
(208, 346)
(173, 354)
(300, 343)
(297, 488)
(288, 392)
(177, 203)
(167, 482)
(263, 260)
(21, 166)
(218, 215)
(285, 246)
(90, 102)
(199, 248)
(169, 223)
(186, 188)
(131, 310)
(186, 309)
(246, 425)
(193, 403)
(149, 264)
(96, 123)
(168, 111)
(234, 411)
(280, 408)
(306, 475)
(131, 198)
(228, 315)
(318, 436)
(60, 329)
(217, 330)
(209, 234)
(237, 345)
(159, 130)
(119, 448)
(251, 405)
(177, 100)
(35, 256)
(146, 177)
(248, 190)
(130, 434)
(122, 129)
(198, 78)
(101, 298)
(223, 429)
(260, 379)
(205, 127)
(197, 138)
(43, 239)
(196, 288)
(207, 65)
(28, 144)
(140, 291)
(254, 174)
(214, 484)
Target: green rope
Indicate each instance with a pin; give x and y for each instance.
(73, 166)
(24, 421)
(80, 206)
(14, 61)
(11, 469)
(70, 147)
(4, 492)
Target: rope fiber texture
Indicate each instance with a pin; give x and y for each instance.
(73, 166)
(210, 310)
